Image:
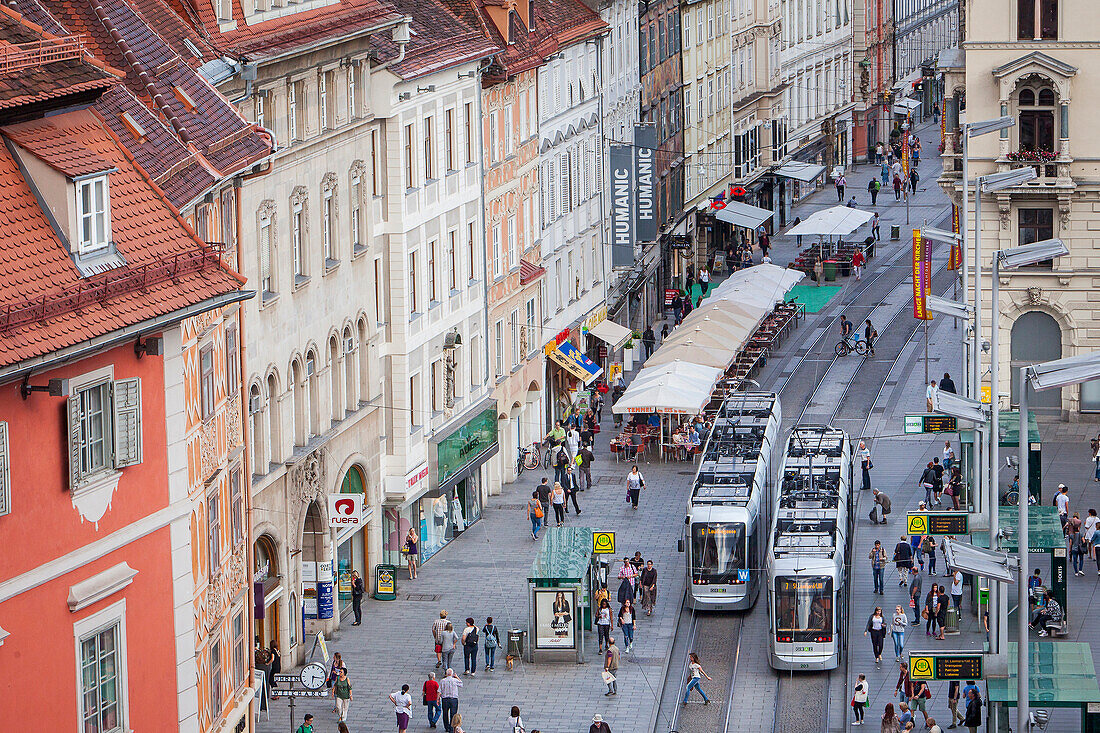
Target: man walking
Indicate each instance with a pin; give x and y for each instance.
(357, 590)
(876, 221)
(561, 460)
(1061, 500)
(957, 590)
(873, 187)
(915, 583)
(544, 489)
(903, 559)
(306, 726)
(840, 183)
(649, 339)
(437, 635)
(448, 692)
(648, 581)
(572, 488)
(585, 465)
(611, 666)
(877, 557)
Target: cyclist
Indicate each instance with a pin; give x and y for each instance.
(845, 330)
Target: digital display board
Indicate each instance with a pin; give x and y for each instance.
(938, 523)
(945, 666)
(930, 423)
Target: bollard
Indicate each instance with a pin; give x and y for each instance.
(895, 232)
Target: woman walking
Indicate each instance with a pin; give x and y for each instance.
(876, 627)
(491, 640)
(557, 500)
(865, 463)
(897, 631)
(928, 547)
(890, 722)
(635, 482)
(469, 648)
(603, 624)
(448, 640)
(411, 541)
(626, 623)
(859, 699)
(534, 513)
(402, 705)
(697, 674)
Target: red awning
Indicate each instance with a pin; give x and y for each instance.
(528, 272)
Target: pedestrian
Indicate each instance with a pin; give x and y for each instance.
(611, 666)
(585, 465)
(603, 624)
(306, 726)
(905, 717)
(890, 722)
(913, 178)
(437, 636)
(840, 184)
(469, 648)
(534, 513)
(873, 187)
(628, 577)
(898, 622)
(448, 692)
(357, 590)
(797, 237)
(880, 508)
(928, 547)
(928, 483)
(954, 485)
(635, 482)
(598, 725)
(431, 699)
(903, 559)
(572, 487)
(865, 463)
(597, 405)
(876, 627)
(928, 392)
(915, 583)
(915, 540)
(1061, 500)
(884, 172)
(649, 587)
(973, 719)
(411, 542)
(948, 451)
(491, 639)
(937, 481)
(276, 661)
(573, 442)
(877, 556)
(456, 724)
(515, 722)
(857, 263)
(341, 693)
(1089, 530)
(852, 202)
(930, 723)
(402, 705)
(649, 340)
(929, 613)
(957, 590)
(334, 673)
(704, 280)
(449, 642)
(561, 462)
(942, 602)
(871, 335)
(695, 683)
(860, 699)
(904, 688)
(626, 623)
(897, 187)
(879, 150)
(953, 694)
(765, 244)
(557, 500)
(947, 384)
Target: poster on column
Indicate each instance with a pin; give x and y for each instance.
(623, 234)
(554, 611)
(645, 181)
(922, 276)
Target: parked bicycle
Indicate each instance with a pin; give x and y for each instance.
(849, 344)
(529, 457)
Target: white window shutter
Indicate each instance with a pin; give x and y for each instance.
(74, 440)
(126, 401)
(5, 471)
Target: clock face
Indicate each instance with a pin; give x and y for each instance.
(313, 676)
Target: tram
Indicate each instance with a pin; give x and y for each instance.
(810, 544)
(727, 519)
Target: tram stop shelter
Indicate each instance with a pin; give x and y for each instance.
(1044, 536)
(1010, 438)
(561, 583)
(1062, 676)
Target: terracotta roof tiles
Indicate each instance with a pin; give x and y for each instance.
(440, 40)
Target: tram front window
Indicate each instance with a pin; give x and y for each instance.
(717, 552)
(804, 609)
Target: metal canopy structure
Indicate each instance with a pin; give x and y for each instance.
(1044, 529)
(742, 215)
(564, 556)
(1063, 675)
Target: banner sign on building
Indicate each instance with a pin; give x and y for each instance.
(955, 261)
(576, 363)
(922, 276)
(345, 510)
(623, 234)
(645, 181)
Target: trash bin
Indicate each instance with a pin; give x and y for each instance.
(895, 232)
(515, 642)
(952, 621)
(385, 582)
(829, 270)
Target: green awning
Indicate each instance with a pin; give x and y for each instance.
(1062, 675)
(564, 555)
(1010, 429)
(1044, 530)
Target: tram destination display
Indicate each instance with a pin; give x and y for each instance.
(939, 666)
(930, 423)
(937, 523)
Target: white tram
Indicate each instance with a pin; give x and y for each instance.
(810, 543)
(727, 519)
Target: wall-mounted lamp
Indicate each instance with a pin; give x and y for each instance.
(404, 96)
(55, 388)
(151, 346)
(452, 340)
(467, 74)
(422, 90)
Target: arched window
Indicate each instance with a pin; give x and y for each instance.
(256, 430)
(1037, 106)
(274, 421)
(335, 378)
(365, 391)
(298, 385)
(351, 376)
(1036, 337)
(314, 394)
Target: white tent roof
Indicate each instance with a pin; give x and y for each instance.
(836, 221)
(766, 277)
(678, 388)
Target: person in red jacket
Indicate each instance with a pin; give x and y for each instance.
(857, 264)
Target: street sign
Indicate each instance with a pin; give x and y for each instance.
(945, 665)
(603, 543)
(277, 692)
(930, 423)
(938, 523)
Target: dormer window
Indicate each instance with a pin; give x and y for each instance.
(93, 214)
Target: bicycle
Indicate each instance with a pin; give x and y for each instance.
(847, 345)
(527, 458)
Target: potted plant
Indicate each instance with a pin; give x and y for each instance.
(1033, 156)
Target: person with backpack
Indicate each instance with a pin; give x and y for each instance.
(928, 483)
(873, 187)
(903, 560)
(859, 699)
(469, 648)
(492, 642)
(535, 513)
(928, 547)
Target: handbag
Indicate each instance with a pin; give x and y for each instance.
(425, 699)
(924, 613)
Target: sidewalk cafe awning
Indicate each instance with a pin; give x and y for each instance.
(570, 358)
(804, 172)
(905, 105)
(742, 215)
(836, 221)
(610, 333)
(679, 388)
(772, 278)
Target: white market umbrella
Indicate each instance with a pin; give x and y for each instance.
(836, 221)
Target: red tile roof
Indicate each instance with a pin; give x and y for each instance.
(36, 66)
(45, 305)
(528, 272)
(64, 155)
(440, 40)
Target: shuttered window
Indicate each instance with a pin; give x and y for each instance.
(104, 428)
(127, 423)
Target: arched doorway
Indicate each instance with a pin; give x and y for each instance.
(268, 590)
(1036, 337)
(316, 566)
(351, 544)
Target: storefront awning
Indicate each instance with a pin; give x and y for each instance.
(743, 215)
(610, 333)
(804, 172)
(905, 84)
(570, 358)
(905, 106)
